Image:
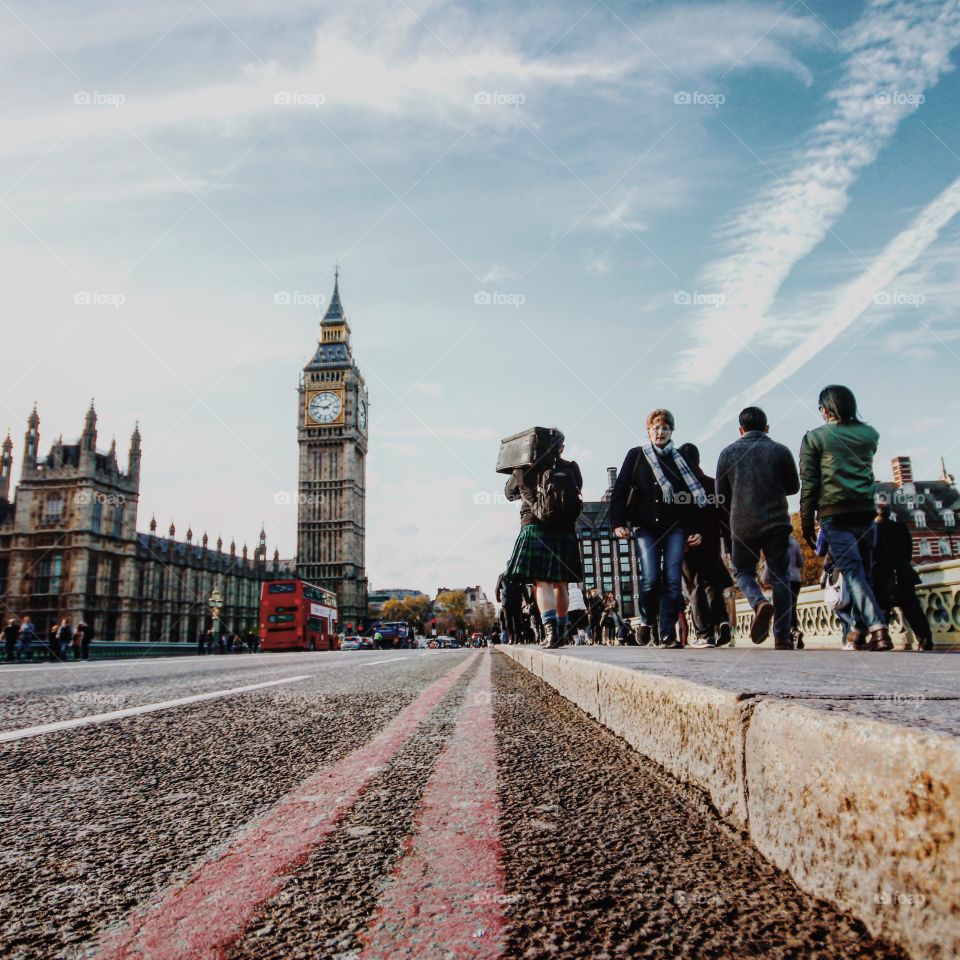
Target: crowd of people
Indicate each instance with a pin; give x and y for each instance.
(696, 536)
(63, 641)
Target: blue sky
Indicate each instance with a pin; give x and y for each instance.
(559, 214)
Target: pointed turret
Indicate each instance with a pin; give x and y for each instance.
(334, 312)
(31, 442)
(946, 477)
(6, 467)
(153, 525)
(133, 457)
(88, 439)
(172, 531)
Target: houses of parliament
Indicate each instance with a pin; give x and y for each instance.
(70, 547)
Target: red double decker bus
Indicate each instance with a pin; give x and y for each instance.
(297, 616)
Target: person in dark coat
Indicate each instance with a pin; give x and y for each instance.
(87, 633)
(546, 553)
(755, 475)
(10, 633)
(705, 576)
(660, 497)
(509, 595)
(894, 579)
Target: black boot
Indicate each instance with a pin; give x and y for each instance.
(551, 635)
(644, 633)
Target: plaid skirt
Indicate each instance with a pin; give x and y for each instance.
(546, 555)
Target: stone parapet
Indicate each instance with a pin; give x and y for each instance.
(842, 768)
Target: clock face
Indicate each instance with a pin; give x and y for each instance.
(325, 407)
(362, 414)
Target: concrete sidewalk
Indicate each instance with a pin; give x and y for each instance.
(843, 767)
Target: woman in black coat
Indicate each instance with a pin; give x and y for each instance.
(658, 495)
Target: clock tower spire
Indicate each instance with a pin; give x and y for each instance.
(332, 423)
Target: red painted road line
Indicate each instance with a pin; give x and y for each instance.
(203, 915)
(446, 899)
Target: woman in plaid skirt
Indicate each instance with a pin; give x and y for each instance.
(546, 553)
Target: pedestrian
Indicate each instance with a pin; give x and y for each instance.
(28, 633)
(611, 623)
(53, 643)
(660, 497)
(705, 575)
(509, 595)
(64, 639)
(576, 609)
(755, 475)
(836, 467)
(546, 553)
(594, 614)
(86, 633)
(201, 643)
(77, 640)
(10, 633)
(795, 564)
(894, 578)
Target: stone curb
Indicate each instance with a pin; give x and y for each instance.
(860, 813)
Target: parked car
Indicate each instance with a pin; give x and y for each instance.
(423, 643)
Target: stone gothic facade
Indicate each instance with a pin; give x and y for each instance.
(69, 547)
(332, 424)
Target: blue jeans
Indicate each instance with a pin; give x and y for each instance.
(654, 553)
(851, 547)
(745, 555)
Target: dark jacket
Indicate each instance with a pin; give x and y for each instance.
(836, 465)
(648, 511)
(893, 559)
(755, 475)
(522, 486)
(713, 527)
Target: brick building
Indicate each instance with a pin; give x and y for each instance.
(930, 509)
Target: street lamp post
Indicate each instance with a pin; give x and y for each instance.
(216, 604)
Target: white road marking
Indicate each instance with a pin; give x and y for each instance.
(26, 732)
(160, 661)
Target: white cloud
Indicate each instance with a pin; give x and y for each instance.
(598, 263)
(898, 50)
(855, 299)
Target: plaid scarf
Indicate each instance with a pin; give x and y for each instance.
(694, 486)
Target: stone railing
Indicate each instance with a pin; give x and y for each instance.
(939, 596)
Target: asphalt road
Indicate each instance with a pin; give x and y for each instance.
(439, 804)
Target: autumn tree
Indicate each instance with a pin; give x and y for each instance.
(454, 604)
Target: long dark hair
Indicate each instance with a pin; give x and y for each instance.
(840, 403)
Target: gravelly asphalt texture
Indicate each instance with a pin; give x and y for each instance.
(603, 854)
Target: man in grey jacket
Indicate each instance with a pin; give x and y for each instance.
(755, 475)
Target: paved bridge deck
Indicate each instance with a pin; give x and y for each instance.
(842, 767)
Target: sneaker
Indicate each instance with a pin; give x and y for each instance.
(785, 644)
(926, 644)
(701, 643)
(724, 634)
(797, 637)
(762, 618)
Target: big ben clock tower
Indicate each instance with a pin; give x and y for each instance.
(332, 433)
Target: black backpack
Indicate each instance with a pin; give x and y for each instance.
(558, 500)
